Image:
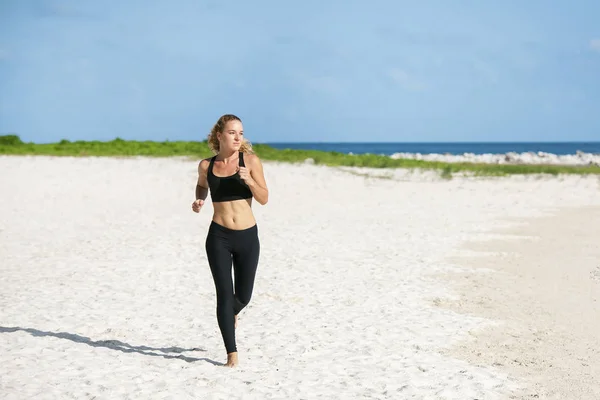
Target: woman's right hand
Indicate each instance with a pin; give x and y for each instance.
(197, 205)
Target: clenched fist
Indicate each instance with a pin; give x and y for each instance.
(197, 205)
(245, 175)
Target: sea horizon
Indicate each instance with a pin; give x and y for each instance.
(413, 147)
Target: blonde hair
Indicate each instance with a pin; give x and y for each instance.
(213, 141)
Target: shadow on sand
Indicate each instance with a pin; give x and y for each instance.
(116, 345)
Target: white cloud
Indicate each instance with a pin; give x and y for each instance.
(595, 44)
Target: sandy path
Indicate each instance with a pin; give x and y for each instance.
(545, 287)
(105, 290)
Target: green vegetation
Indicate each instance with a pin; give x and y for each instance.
(13, 145)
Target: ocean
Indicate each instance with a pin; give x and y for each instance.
(558, 148)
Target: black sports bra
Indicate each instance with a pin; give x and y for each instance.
(227, 188)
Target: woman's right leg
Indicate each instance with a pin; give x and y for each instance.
(218, 252)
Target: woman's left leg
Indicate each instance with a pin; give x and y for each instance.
(246, 252)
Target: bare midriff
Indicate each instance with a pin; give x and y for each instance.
(236, 214)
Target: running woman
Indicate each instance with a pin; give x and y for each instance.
(234, 176)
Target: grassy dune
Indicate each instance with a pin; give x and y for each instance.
(12, 144)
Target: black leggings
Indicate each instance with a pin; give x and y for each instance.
(224, 245)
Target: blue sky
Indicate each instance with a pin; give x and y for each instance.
(338, 70)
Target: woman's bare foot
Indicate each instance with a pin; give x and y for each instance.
(232, 360)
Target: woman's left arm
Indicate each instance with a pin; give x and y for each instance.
(256, 179)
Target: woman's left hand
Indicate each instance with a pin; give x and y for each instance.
(245, 175)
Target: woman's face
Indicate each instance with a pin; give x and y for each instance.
(232, 136)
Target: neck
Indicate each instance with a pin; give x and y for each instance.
(227, 155)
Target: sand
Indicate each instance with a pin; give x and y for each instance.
(371, 284)
(545, 287)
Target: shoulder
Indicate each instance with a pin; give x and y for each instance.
(251, 159)
(203, 164)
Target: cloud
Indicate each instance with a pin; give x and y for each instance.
(595, 45)
(404, 79)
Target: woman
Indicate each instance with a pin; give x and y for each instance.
(234, 176)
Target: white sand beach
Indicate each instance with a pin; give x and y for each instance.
(372, 284)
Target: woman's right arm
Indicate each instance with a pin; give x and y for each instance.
(202, 184)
